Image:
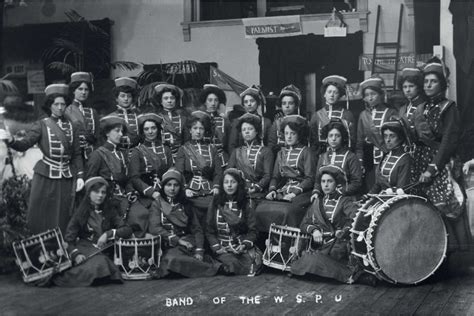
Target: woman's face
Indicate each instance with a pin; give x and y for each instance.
(372, 97)
(334, 138)
(82, 92)
(249, 133)
(124, 99)
(230, 184)
(328, 184)
(288, 105)
(331, 95)
(250, 104)
(391, 139)
(97, 197)
(432, 85)
(168, 101)
(212, 103)
(197, 131)
(410, 90)
(150, 130)
(291, 137)
(172, 188)
(58, 107)
(114, 135)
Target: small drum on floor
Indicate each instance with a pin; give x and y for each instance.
(138, 258)
(399, 238)
(284, 245)
(42, 255)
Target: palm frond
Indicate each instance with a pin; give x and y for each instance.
(73, 16)
(65, 68)
(125, 65)
(67, 45)
(6, 86)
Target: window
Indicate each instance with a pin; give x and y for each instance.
(227, 9)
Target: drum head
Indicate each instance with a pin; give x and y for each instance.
(410, 241)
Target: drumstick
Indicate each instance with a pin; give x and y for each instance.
(99, 250)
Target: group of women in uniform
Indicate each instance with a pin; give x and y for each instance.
(208, 186)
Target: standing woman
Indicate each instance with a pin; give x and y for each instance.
(93, 224)
(292, 179)
(333, 89)
(252, 158)
(173, 218)
(339, 155)
(252, 99)
(60, 173)
(290, 102)
(85, 117)
(411, 83)
(370, 147)
(212, 97)
(108, 161)
(148, 162)
(125, 92)
(174, 122)
(437, 125)
(231, 227)
(196, 160)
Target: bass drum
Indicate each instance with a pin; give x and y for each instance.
(399, 238)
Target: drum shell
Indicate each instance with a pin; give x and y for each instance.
(405, 240)
(41, 255)
(284, 245)
(138, 258)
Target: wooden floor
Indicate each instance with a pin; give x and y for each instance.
(243, 295)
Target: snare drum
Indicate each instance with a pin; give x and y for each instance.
(284, 245)
(399, 238)
(41, 255)
(137, 258)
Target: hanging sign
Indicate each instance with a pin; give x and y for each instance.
(277, 26)
(335, 26)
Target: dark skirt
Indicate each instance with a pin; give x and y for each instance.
(138, 219)
(282, 213)
(247, 263)
(179, 261)
(330, 261)
(50, 204)
(98, 267)
(201, 204)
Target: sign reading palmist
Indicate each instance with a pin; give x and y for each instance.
(272, 26)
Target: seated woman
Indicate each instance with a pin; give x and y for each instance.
(339, 155)
(292, 179)
(212, 97)
(252, 158)
(109, 163)
(328, 221)
(290, 102)
(395, 169)
(231, 227)
(148, 161)
(196, 160)
(94, 223)
(173, 218)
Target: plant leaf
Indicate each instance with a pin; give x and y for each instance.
(63, 67)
